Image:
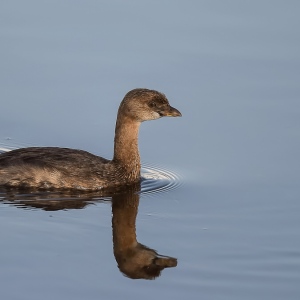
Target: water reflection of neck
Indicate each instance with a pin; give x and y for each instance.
(123, 221)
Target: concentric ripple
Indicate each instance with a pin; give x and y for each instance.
(156, 179)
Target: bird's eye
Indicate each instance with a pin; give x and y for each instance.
(152, 104)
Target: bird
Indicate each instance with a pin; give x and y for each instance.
(51, 168)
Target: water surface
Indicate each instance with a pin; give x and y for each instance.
(221, 184)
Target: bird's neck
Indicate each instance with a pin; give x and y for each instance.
(126, 152)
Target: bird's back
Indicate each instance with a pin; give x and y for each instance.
(52, 167)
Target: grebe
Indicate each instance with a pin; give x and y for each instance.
(63, 168)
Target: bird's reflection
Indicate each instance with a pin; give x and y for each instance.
(134, 260)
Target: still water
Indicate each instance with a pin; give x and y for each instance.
(219, 199)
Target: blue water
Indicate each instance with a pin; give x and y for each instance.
(221, 189)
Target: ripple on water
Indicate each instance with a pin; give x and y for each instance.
(156, 180)
(9, 144)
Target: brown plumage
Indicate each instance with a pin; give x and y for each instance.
(63, 168)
